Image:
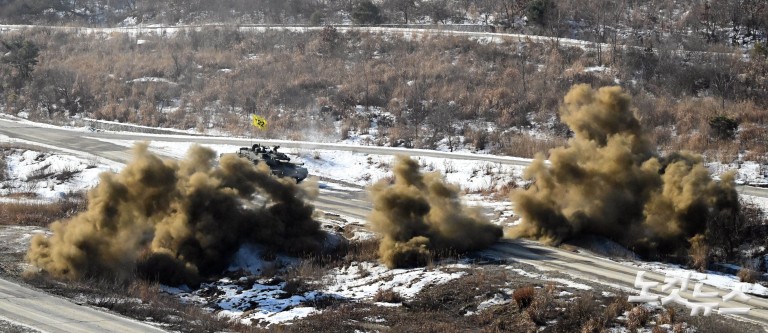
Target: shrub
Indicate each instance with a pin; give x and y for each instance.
(537, 11)
(524, 296)
(541, 309)
(363, 250)
(295, 286)
(699, 253)
(21, 54)
(478, 138)
(658, 329)
(3, 167)
(365, 12)
(728, 231)
(748, 275)
(760, 50)
(584, 314)
(667, 317)
(388, 296)
(316, 18)
(723, 128)
(637, 318)
(619, 305)
(39, 214)
(311, 270)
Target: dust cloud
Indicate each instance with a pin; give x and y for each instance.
(177, 221)
(420, 217)
(610, 181)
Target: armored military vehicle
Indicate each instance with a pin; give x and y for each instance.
(278, 162)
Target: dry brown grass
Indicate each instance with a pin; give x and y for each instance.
(542, 309)
(311, 270)
(295, 286)
(755, 137)
(139, 299)
(454, 299)
(748, 275)
(725, 151)
(699, 253)
(524, 296)
(582, 315)
(366, 250)
(39, 214)
(750, 113)
(494, 189)
(525, 145)
(619, 305)
(668, 317)
(303, 277)
(637, 318)
(388, 296)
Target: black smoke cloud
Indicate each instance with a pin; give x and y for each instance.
(177, 221)
(420, 217)
(610, 181)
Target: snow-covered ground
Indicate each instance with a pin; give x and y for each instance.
(264, 301)
(48, 175)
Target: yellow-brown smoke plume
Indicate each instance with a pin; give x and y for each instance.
(420, 216)
(610, 181)
(177, 221)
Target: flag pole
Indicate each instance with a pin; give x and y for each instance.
(250, 120)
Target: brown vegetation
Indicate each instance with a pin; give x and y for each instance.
(637, 318)
(431, 87)
(699, 253)
(523, 296)
(40, 213)
(387, 296)
(748, 275)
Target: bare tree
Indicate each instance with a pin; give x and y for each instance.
(725, 69)
(754, 13)
(441, 120)
(438, 10)
(403, 6)
(512, 9)
(729, 230)
(60, 90)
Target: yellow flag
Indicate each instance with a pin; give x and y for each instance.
(259, 122)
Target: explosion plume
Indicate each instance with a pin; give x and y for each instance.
(177, 221)
(420, 216)
(610, 181)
